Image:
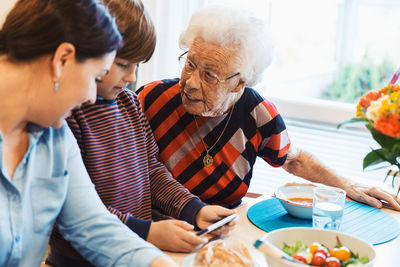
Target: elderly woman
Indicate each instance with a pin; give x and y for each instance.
(210, 125)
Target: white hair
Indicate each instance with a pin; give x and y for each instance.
(235, 29)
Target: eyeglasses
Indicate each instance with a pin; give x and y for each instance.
(206, 76)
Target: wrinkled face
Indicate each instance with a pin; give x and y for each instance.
(77, 86)
(122, 72)
(198, 96)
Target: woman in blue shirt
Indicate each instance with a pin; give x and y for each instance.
(51, 53)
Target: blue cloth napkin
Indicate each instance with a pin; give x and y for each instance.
(365, 222)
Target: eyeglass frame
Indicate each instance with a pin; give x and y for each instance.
(215, 76)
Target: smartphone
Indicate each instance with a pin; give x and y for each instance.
(217, 224)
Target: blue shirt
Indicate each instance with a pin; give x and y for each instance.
(50, 185)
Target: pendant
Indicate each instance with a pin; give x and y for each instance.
(207, 160)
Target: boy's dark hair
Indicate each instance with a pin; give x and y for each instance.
(34, 28)
(136, 28)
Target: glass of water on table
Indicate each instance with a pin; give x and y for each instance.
(328, 206)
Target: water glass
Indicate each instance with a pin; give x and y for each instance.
(328, 206)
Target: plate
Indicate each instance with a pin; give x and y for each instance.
(189, 260)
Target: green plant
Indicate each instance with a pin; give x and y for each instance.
(380, 112)
(357, 79)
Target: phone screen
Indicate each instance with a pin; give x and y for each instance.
(217, 224)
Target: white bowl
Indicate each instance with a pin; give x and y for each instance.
(310, 235)
(296, 190)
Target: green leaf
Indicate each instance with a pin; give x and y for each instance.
(351, 261)
(364, 260)
(384, 140)
(387, 175)
(394, 177)
(300, 246)
(291, 250)
(388, 155)
(374, 157)
(288, 251)
(353, 120)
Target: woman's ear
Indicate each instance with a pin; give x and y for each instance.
(239, 86)
(64, 53)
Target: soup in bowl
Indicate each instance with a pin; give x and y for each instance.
(304, 201)
(297, 199)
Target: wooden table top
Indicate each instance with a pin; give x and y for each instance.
(246, 232)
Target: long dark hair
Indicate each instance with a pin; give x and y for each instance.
(37, 27)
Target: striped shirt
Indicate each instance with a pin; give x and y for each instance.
(120, 155)
(255, 129)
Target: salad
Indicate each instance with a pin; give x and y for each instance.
(320, 255)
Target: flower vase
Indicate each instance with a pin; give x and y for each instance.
(392, 181)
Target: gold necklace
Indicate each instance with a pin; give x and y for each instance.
(208, 159)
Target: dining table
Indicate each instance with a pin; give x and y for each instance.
(387, 254)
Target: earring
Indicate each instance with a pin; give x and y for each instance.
(56, 85)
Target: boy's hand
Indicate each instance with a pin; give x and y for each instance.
(208, 215)
(175, 236)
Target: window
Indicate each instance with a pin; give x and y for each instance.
(333, 49)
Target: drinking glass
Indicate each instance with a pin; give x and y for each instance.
(328, 205)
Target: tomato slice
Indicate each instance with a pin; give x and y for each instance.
(318, 259)
(333, 262)
(322, 250)
(299, 257)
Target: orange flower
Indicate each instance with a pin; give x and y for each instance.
(391, 87)
(380, 113)
(389, 125)
(366, 99)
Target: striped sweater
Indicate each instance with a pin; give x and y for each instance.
(120, 154)
(255, 129)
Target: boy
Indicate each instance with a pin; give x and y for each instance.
(120, 153)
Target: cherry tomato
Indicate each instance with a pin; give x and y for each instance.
(342, 253)
(314, 247)
(332, 262)
(299, 257)
(322, 250)
(318, 259)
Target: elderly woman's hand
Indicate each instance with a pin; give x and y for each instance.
(373, 196)
(208, 215)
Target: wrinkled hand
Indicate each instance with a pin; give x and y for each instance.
(210, 214)
(175, 236)
(373, 196)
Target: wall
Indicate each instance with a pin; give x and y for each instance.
(5, 6)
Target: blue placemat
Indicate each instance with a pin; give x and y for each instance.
(365, 222)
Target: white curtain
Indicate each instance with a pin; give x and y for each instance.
(170, 18)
